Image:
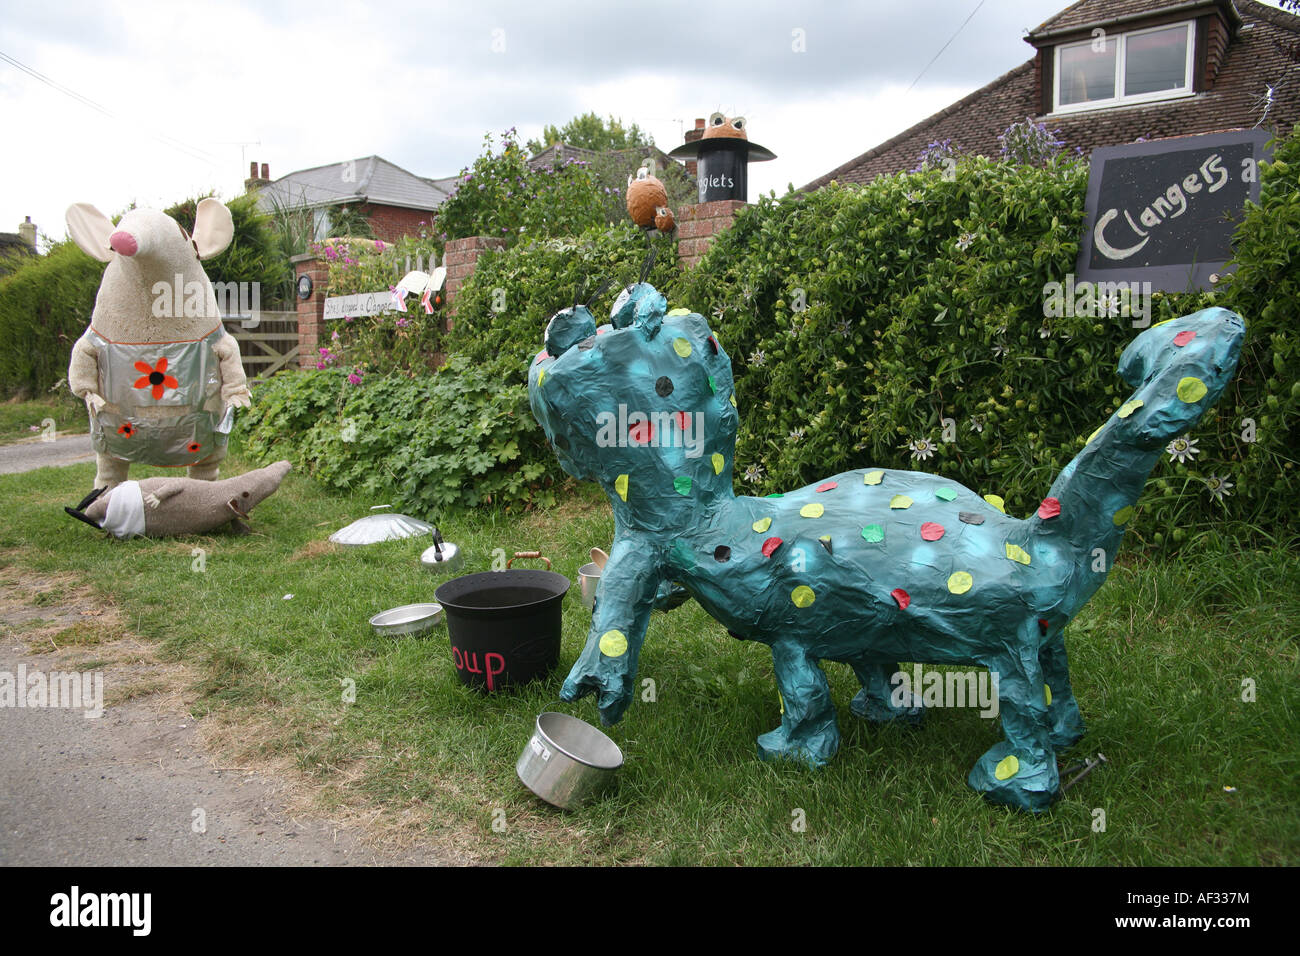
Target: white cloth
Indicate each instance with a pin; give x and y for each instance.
(125, 515)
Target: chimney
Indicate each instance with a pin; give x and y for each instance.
(28, 232)
(254, 181)
(691, 136)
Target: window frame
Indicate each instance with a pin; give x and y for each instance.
(1121, 98)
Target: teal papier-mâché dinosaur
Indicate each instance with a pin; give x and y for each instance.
(868, 567)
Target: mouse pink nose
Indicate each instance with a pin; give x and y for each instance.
(123, 243)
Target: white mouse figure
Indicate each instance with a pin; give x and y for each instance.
(158, 372)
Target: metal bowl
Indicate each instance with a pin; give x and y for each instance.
(568, 762)
(588, 580)
(409, 619)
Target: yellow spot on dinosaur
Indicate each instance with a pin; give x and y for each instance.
(802, 596)
(1017, 553)
(541, 376)
(682, 347)
(613, 643)
(733, 400)
(900, 501)
(997, 502)
(718, 463)
(1047, 695)
(762, 524)
(1007, 767)
(679, 311)
(1128, 408)
(873, 477)
(960, 582)
(1095, 434)
(620, 485)
(813, 510)
(1191, 389)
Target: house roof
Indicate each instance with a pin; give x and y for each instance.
(1251, 66)
(369, 179)
(558, 152)
(1088, 14)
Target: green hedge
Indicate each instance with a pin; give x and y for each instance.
(924, 306)
(453, 438)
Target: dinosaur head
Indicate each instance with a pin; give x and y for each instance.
(644, 405)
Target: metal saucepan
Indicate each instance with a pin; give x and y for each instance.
(568, 762)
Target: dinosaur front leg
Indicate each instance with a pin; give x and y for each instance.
(808, 731)
(1021, 769)
(1062, 708)
(624, 599)
(883, 698)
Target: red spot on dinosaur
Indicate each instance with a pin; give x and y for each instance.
(902, 597)
(1050, 508)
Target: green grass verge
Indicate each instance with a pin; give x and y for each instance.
(1158, 661)
(30, 419)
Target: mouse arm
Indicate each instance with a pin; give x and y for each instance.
(234, 384)
(608, 663)
(83, 374)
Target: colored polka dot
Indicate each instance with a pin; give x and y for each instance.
(945, 494)
(997, 502)
(900, 502)
(718, 463)
(873, 477)
(733, 401)
(641, 433)
(970, 517)
(1123, 516)
(762, 524)
(540, 356)
(541, 376)
(1095, 434)
(1007, 767)
(663, 386)
(775, 494)
(722, 553)
(1191, 389)
(1017, 553)
(1128, 408)
(901, 597)
(825, 541)
(814, 510)
(828, 485)
(1050, 508)
(960, 582)
(1182, 338)
(873, 533)
(770, 545)
(620, 485)
(683, 420)
(931, 531)
(1047, 695)
(713, 386)
(802, 596)
(682, 484)
(713, 345)
(679, 311)
(682, 347)
(613, 643)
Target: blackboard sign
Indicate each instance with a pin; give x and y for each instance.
(722, 170)
(1164, 212)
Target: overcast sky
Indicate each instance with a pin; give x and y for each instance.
(197, 90)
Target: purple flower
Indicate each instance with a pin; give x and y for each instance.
(320, 366)
(354, 378)
(403, 322)
(347, 318)
(379, 245)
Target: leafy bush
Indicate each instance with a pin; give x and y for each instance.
(254, 253)
(865, 322)
(500, 332)
(450, 439)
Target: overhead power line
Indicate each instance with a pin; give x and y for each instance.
(944, 47)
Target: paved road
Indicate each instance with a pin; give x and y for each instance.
(35, 453)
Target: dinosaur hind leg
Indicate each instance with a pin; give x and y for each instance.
(1062, 708)
(883, 697)
(1020, 770)
(808, 731)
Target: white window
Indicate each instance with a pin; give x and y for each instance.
(1122, 68)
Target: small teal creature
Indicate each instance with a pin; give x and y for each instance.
(868, 567)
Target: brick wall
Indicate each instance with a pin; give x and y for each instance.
(697, 225)
(460, 257)
(390, 223)
(310, 323)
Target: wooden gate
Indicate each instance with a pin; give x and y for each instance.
(268, 346)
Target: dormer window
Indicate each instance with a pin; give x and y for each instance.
(1119, 69)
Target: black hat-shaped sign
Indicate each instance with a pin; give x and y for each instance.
(723, 154)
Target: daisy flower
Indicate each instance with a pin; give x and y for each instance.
(1182, 449)
(754, 474)
(921, 448)
(1217, 487)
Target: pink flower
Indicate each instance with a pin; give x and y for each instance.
(324, 350)
(379, 245)
(354, 378)
(320, 365)
(334, 336)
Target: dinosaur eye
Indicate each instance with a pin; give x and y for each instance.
(717, 119)
(664, 386)
(738, 122)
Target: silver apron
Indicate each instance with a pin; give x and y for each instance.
(163, 401)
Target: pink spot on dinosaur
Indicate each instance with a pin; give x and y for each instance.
(1050, 508)
(828, 485)
(1182, 338)
(641, 433)
(930, 531)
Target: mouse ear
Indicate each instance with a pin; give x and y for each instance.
(213, 228)
(90, 229)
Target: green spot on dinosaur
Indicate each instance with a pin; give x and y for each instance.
(900, 501)
(945, 494)
(873, 533)
(713, 386)
(682, 484)
(1191, 389)
(775, 494)
(1128, 408)
(1017, 553)
(1123, 516)
(802, 596)
(813, 510)
(873, 477)
(1007, 767)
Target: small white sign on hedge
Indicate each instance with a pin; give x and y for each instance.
(359, 305)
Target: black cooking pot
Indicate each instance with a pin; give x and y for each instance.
(504, 625)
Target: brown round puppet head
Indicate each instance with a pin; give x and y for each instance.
(731, 127)
(645, 195)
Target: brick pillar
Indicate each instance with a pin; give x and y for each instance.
(460, 256)
(310, 311)
(697, 225)
(692, 166)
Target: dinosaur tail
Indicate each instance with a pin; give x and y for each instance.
(1178, 370)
